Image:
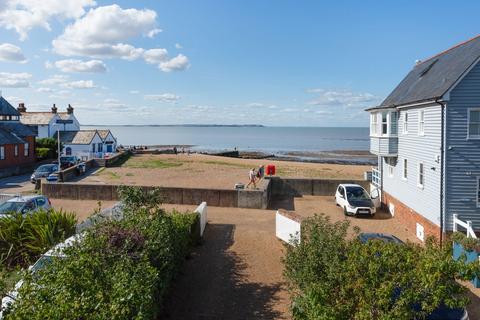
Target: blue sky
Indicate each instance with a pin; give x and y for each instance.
(286, 63)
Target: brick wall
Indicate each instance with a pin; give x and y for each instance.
(12, 161)
(409, 218)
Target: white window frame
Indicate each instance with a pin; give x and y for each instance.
(373, 124)
(405, 169)
(405, 123)
(26, 149)
(390, 171)
(421, 122)
(468, 124)
(478, 190)
(2, 152)
(421, 173)
(15, 150)
(393, 115)
(387, 123)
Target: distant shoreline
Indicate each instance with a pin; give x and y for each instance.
(203, 126)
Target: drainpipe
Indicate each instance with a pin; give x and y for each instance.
(442, 171)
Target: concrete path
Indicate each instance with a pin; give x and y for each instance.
(16, 184)
(236, 273)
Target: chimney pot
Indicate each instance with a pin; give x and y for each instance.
(54, 108)
(69, 109)
(21, 107)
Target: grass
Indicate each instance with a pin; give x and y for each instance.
(151, 163)
(113, 175)
(228, 164)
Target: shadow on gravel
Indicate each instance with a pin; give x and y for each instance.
(213, 285)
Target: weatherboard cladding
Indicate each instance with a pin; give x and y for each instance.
(434, 77)
(384, 145)
(462, 154)
(416, 149)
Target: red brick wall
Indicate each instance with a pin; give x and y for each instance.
(12, 160)
(409, 218)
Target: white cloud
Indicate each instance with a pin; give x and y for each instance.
(156, 56)
(14, 100)
(55, 80)
(179, 63)
(44, 89)
(24, 15)
(153, 33)
(80, 84)
(178, 46)
(134, 92)
(11, 53)
(342, 97)
(73, 65)
(102, 32)
(14, 80)
(164, 97)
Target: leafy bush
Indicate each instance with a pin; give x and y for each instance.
(24, 239)
(332, 275)
(469, 244)
(119, 269)
(47, 147)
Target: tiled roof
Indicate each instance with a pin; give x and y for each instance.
(14, 132)
(6, 137)
(103, 133)
(434, 77)
(77, 137)
(7, 109)
(36, 118)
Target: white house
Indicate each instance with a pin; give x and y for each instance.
(85, 144)
(45, 123)
(109, 141)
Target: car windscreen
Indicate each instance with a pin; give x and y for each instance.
(67, 159)
(44, 168)
(42, 262)
(357, 193)
(11, 206)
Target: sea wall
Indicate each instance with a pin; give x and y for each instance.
(297, 187)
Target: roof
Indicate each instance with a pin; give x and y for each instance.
(77, 137)
(41, 118)
(103, 133)
(14, 132)
(432, 78)
(6, 137)
(7, 109)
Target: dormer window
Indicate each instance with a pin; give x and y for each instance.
(387, 124)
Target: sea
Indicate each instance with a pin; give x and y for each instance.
(275, 140)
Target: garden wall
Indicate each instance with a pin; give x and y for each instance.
(287, 225)
(297, 187)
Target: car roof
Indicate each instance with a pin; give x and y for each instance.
(24, 198)
(364, 237)
(350, 185)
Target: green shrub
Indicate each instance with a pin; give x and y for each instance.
(47, 147)
(469, 244)
(119, 269)
(24, 239)
(44, 153)
(332, 275)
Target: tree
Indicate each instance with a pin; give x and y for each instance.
(332, 275)
(47, 148)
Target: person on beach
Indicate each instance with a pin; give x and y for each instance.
(261, 172)
(252, 177)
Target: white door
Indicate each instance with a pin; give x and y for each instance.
(375, 195)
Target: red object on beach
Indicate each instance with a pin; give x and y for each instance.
(271, 170)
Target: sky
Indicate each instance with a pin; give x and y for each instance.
(276, 63)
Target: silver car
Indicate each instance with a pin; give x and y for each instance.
(24, 205)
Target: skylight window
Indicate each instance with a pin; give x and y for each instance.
(425, 71)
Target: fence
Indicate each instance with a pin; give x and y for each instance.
(467, 225)
(376, 177)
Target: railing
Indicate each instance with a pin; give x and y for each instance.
(376, 177)
(467, 225)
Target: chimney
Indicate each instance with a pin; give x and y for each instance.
(69, 109)
(21, 107)
(54, 109)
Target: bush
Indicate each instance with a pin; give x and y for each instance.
(332, 275)
(47, 147)
(119, 270)
(24, 239)
(44, 153)
(469, 244)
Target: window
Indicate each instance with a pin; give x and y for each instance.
(405, 123)
(93, 147)
(100, 147)
(421, 122)
(25, 149)
(394, 123)
(373, 124)
(384, 123)
(390, 170)
(15, 149)
(474, 123)
(2, 152)
(405, 169)
(421, 175)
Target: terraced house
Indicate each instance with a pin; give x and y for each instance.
(426, 134)
(17, 141)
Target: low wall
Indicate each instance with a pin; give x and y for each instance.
(72, 172)
(297, 187)
(288, 226)
(112, 161)
(202, 213)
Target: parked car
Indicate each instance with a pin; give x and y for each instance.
(443, 312)
(68, 161)
(43, 171)
(355, 200)
(44, 260)
(24, 205)
(365, 237)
